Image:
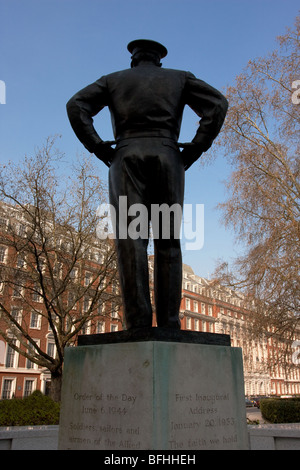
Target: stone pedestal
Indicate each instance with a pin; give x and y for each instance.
(153, 391)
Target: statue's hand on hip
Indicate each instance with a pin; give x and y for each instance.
(105, 152)
(190, 153)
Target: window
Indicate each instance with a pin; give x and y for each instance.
(51, 350)
(99, 257)
(8, 389)
(35, 320)
(18, 291)
(68, 247)
(188, 323)
(11, 356)
(100, 328)
(36, 295)
(71, 301)
(57, 270)
(69, 325)
(87, 278)
(86, 329)
(114, 287)
(195, 306)
(3, 251)
(41, 265)
(187, 304)
(113, 327)
(100, 309)
(16, 313)
(196, 323)
(20, 261)
(86, 304)
(3, 223)
(29, 387)
(203, 308)
(74, 274)
(114, 310)
(21, 230)
(29, 363)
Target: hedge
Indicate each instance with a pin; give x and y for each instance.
(281, 410)
(34, 410)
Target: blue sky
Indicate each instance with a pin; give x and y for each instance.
(52, 48)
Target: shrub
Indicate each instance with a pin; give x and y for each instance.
(281, 410)
(37, 409)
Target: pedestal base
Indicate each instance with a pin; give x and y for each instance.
(153, 395)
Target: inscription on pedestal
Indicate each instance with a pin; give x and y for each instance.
(208, 422)
(107, 408)
(151, 396)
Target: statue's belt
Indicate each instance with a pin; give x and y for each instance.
(164, 133)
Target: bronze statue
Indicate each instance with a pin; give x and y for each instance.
(146, 103)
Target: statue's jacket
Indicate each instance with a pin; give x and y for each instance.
(146, 101)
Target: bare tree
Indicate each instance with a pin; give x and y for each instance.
(58, 270)
(261, 139)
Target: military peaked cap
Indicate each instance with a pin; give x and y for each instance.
(147, 44)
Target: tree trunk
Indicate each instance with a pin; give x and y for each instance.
(56, 383)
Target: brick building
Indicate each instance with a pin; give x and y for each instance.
(204, 307)
(48, 297)
(218, 309)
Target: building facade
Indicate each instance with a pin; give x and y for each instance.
(205, 306)
(48, 289)
(218, 309)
